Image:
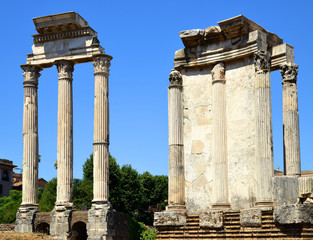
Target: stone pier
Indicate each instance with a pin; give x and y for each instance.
(264, 138)
(26, 214)
(62, 212)
(292, 163)
(220, 171)
(101, 215)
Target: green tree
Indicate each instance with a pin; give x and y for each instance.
(9, 206)
(46, 202)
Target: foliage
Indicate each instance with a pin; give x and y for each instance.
(148, 233)
(9, 206)
(48, 198)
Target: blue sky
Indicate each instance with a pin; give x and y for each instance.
(142, 37)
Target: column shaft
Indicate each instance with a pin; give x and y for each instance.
(101, 130)
(291, 120)
(65, 133)
(30, 135)
(220, 173)
(176, 188)
(264, 137)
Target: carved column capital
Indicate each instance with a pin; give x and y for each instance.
(218, 72)
(289, 72)
(175, 78)
(101, 64)
(31, 75)
(65, 69)
(262, 61)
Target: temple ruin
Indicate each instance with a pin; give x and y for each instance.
(221, 171)
(64, 40)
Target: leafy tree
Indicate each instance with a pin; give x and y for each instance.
(9, 206)
(46, 203)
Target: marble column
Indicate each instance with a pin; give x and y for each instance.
(101, 216)
(29, 206)
(65, 133)
(264, 137)
(292, 162)
(101, 130)
(62, 213)
(220, 172)
(176, 187)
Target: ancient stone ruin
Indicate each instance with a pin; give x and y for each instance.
(64, 40)
(221, 173)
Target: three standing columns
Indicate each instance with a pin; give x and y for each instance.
(65, 134)
(176, 187)
(292, 163)
(101, 130)
(264, 138)
(29, 206)
(220, 172)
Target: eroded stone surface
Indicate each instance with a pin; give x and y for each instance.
(211, 219)
(251, 217)
(169, 218)
(285, 190)
(294, 214)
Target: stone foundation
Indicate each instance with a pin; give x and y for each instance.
(232, 229)
(25, 218)
(60, 222)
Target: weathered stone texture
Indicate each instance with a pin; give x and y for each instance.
(294, 214)
(251, 217)
(211, 219)
(169, 218)
(285, 190)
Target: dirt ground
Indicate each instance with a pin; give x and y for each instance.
(22, 236)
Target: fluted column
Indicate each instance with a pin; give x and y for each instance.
(176, 187)
(264, 137)
(101, 129)
(220, 172)
(292, 162)
(30, 135)
(65, 133)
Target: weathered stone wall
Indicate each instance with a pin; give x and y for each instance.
(233, 230)
(198, 138)
(7, 227)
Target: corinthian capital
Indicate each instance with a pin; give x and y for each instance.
(31, 74)
(65, 69)
(289, 72)
(175, 78)
(262, 61)
(101, 64)
(218, 72)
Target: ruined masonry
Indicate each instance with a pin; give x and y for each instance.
(221, 173)
(64, 40)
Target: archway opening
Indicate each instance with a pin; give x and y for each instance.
(79, 231)
(43, 228)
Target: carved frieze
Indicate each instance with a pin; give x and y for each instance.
(262, 61)
(289, 72)
(101, 64)
(175, 78)
(65, 69)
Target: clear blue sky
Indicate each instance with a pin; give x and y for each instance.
(142, 37)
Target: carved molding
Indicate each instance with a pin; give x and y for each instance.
(218, 72)
(65, 69)
(101, 64)
(31, 74)
(175, 78)
(262, 61)
(289, 72)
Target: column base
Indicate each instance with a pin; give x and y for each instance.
(175, 215)
(101, 221)
(176, 208)
(221, 205)
(25, 218)
(61, 216)
(264, 204)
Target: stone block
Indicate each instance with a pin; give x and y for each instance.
(197, 147)
(25, 218)
(306, 187)
(251, 217)
(294, 214)
(285, 190)
(170, 219)
(101, 221)
(212, 219)
(60, 223)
